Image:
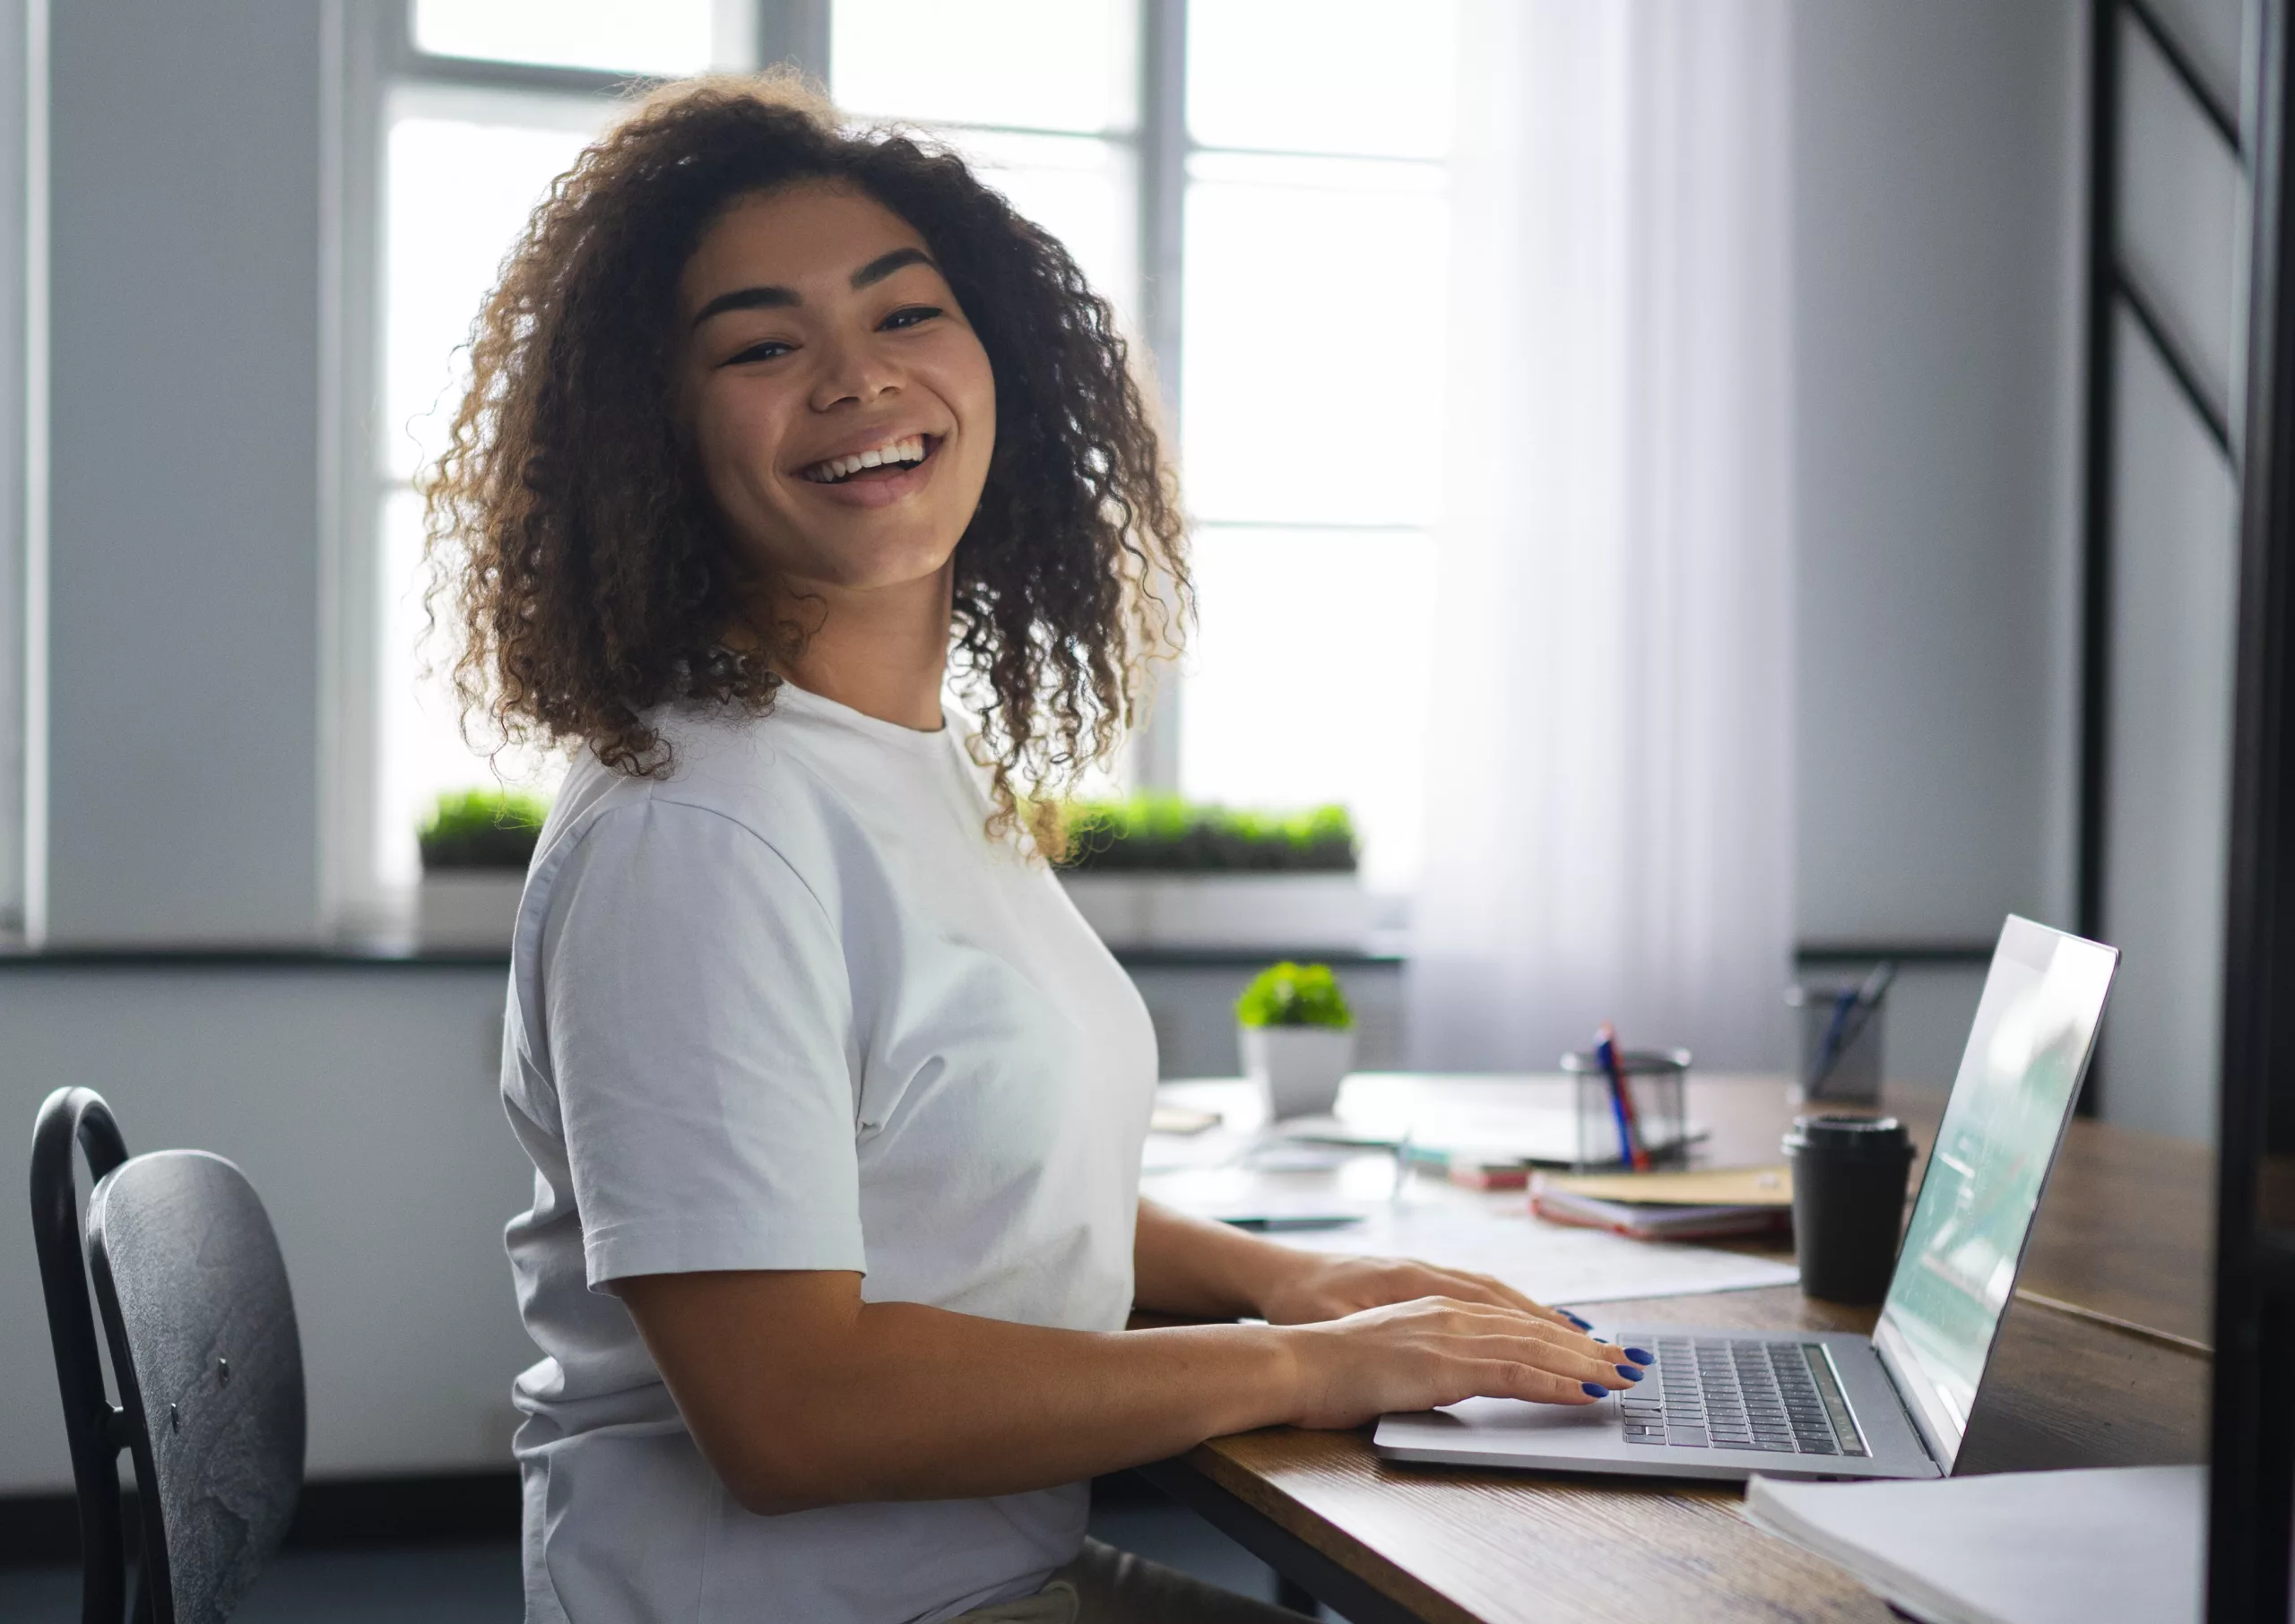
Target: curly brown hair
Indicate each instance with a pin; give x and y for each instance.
(571, 541)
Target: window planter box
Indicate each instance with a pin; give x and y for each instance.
(468, 907)
(1277, 913)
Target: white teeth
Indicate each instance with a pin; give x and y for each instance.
(830, 470)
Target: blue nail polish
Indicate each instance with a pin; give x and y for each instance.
(1630, 1372)
(1594, 1390)
(1583, 1325)
(1641, 1356)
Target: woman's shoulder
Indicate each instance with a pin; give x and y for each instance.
(722, 769)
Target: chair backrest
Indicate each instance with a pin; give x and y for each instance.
(201, 1325)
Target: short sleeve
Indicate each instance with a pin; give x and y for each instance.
(698, 1025)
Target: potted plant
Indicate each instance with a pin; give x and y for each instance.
(1298, 1037)
(475, 844)
(1157, 871)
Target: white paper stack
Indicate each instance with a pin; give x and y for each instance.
(2120, 1546)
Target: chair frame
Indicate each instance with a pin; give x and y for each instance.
(97, 1428)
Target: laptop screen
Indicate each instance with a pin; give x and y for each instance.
(2034, 1029)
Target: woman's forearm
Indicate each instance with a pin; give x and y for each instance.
(1182, 1264)
(801, 1395)
(1006, 1408)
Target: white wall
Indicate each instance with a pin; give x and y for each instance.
(361, 1103)
(1936, 259)
(186, 529)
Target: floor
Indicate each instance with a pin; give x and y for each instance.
(478, 1583)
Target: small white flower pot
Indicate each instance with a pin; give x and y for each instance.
(1300, 1067)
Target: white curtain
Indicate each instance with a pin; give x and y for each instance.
(1609, 824)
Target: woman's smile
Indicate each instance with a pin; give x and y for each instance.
(888, 471)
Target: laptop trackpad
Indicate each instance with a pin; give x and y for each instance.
(1509, 1425)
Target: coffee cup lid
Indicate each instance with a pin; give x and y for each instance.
(1839, 1135)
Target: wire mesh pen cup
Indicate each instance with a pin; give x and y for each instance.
(1841, 1040)
(1655, 1081)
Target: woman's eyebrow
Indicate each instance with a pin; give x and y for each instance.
(748, 299)
(770, 297)
(884, 265)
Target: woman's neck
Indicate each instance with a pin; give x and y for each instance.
(883, 652)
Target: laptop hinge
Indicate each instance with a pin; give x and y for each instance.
(1885, 1337)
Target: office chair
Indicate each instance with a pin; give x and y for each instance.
(204, 1354)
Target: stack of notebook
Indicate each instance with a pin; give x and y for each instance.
(1689, 1206)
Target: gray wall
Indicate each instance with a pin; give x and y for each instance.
(1935, 261)
(2174, 583)
(2175, 571)
(362, 1102)
(18, 109)
(1940, 184)
(185, 534)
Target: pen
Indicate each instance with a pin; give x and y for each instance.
(1828, 1052)
(1851, 1011)
(1630, 1148)
(1276, 1223)
(1868, 999)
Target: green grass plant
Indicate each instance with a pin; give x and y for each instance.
(481, 829)
(1165, 834)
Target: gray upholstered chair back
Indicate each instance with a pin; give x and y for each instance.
(209, 1367)
(203, 1346)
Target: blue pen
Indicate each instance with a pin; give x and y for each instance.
(1868, 999)
(1829, 1050)
(1606, 1056)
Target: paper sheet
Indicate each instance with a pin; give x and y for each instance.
(1553, 1263)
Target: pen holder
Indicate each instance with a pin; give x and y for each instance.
(1654, 1080)
(1841, 1046)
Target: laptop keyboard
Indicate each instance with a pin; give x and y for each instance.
(1721, 1392)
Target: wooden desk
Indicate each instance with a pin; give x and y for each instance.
(2123, 1235)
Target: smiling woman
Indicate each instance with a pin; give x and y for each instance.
(604, 557)
(835, 1104)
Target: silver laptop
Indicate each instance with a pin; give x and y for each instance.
(1730, 1403)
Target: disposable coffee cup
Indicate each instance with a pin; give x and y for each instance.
(1848, 1185)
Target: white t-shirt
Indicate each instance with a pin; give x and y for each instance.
(790, 1008)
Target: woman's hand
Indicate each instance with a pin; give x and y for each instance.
(1437, 1350)
(1319, 1287)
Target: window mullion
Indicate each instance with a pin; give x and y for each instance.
(1163, 186)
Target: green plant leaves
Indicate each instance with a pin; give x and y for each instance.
(1294, 995)
(482, 829)
(1163, 833)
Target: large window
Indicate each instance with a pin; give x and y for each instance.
(1283, 169)
(1311, 403)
